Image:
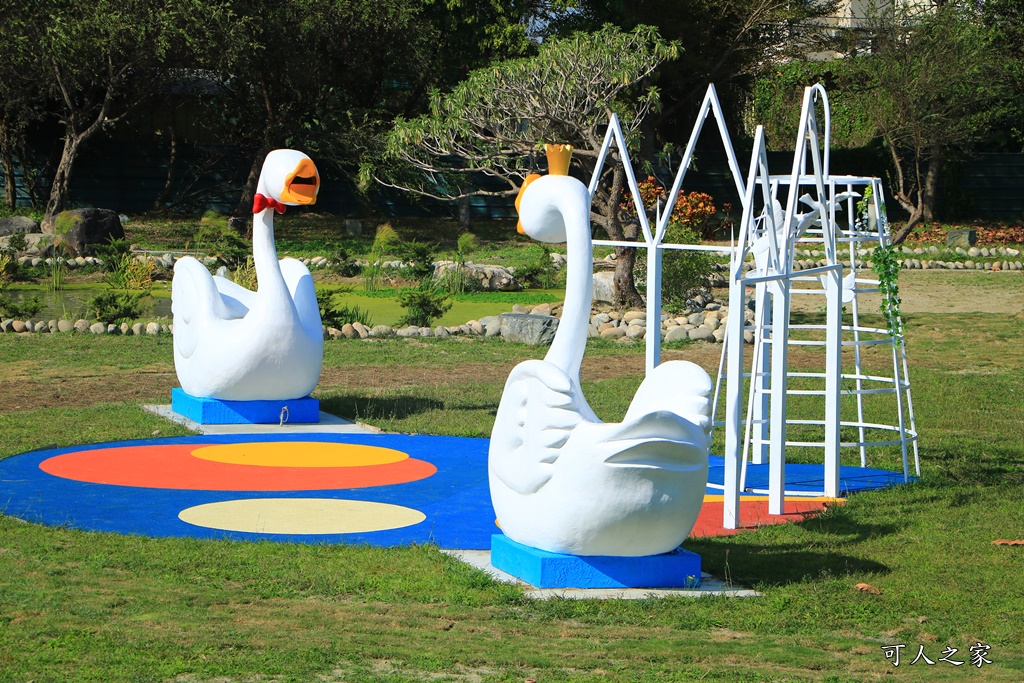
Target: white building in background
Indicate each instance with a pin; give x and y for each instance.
(855, 16)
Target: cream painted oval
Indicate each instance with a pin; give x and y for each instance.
(304, 516)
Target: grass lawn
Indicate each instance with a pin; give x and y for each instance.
(77, 606)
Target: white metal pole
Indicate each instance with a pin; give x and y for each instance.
(777, 431)
(833, 374)
(653, 345)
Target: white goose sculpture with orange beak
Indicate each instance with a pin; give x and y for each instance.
(234, 344)
(563, 481)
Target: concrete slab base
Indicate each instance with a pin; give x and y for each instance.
(481, 559)
(328, 424)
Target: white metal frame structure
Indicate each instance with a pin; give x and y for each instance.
(773, 238)
(653, 241)
(755, 429)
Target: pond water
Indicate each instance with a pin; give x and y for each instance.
(72, 304)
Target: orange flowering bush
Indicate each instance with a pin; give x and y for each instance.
(682, 272)
(693, 210)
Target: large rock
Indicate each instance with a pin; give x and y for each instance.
(964, 239)
(604, 286)
(676, 334)
(537, 330)
(492, 325)
(18, 224)
(80, 229)
(702, 334)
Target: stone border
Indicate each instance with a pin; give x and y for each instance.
(84, 327)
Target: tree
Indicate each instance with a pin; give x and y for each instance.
(725, 42)
(329, 75)
(1005, 20)
(483, 137)
(99, 59)
(934, 81)
(20, 105)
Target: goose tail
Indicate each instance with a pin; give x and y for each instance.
(678, 387)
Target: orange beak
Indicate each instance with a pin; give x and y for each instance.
(301, 186)
(519, 198)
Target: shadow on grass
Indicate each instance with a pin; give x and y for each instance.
(763, 558)
(975, 462)
(778, 565)
(379, 407)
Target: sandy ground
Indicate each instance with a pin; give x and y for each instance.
(940, 291)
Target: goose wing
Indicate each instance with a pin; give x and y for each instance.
(300, 283)
(679, 387)
(237, 299)
(538, 412)
(195, 302)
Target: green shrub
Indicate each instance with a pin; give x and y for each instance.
(538, 272)
(116, 307)
(454, 279)
(222, 242)
(683, 273)
(17, 242)
(112, 253)
(23, 310)
(34, 214)
(385, 238)
(245, 275)
(423, 306)
(468, 243)
(215, 219)
(418, 258)
(8, 268)
(344, 265)
(128, 272)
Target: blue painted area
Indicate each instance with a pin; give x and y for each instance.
(806, 478)
(456, 500)
(214, 411)
(677, 569)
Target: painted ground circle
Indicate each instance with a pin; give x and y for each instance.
(304, 516)
(177, 467)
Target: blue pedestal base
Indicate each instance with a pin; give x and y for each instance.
(677, 569)
(212, 411)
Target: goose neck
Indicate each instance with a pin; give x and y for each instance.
(269, 280)
(570, 340)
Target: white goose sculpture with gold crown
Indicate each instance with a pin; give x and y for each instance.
(234, 344)
(560, 479)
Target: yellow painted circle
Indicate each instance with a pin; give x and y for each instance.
(301, 516)
(299, 454)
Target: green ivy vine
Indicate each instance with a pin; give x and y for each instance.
(886, 262)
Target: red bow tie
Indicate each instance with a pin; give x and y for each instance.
(259, 203)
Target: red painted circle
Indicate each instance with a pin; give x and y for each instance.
(174, 467)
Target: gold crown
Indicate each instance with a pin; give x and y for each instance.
(558, 159)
